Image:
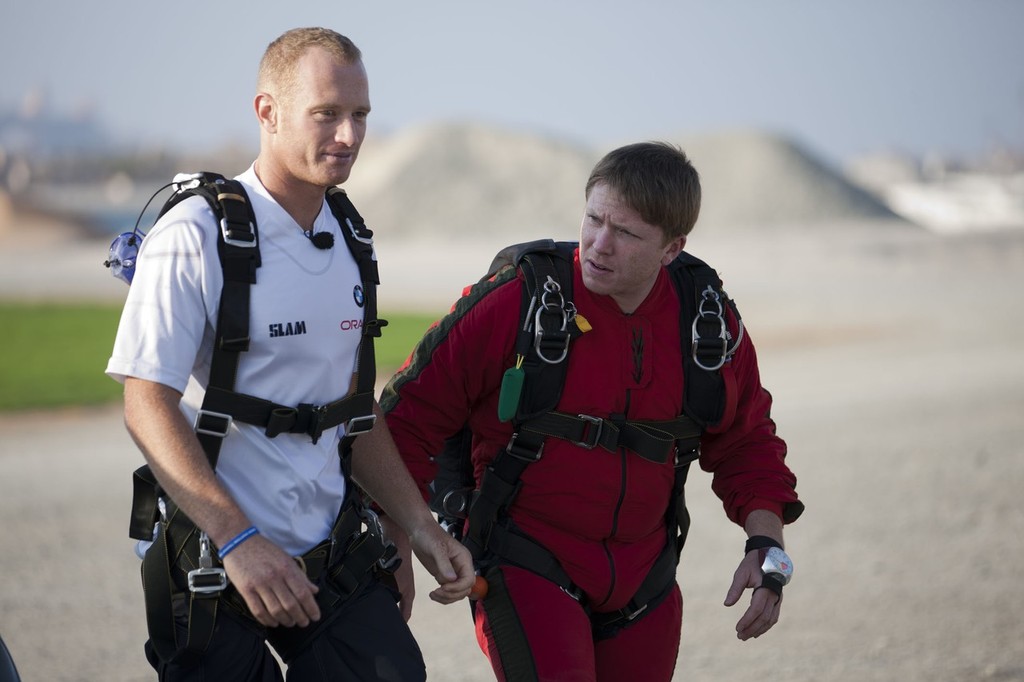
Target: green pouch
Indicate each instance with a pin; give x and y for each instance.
(511, 390)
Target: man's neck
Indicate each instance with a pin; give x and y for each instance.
(300, 200)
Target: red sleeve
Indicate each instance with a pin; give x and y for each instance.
(455, 368)
(744, 455)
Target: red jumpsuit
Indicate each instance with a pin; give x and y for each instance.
(601, 513)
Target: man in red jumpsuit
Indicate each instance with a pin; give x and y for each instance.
(600, 513)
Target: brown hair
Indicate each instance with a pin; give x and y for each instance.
(277, 68)
(657, 181)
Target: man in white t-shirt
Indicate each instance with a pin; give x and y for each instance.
(273, 499)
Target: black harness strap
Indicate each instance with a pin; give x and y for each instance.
(305, 418)
(338, 565)
(179, 545)
(515, 548)
(238, 248)
(499, 486)
(653, 440)
(359, 240)
(543, 336)
(706, 345)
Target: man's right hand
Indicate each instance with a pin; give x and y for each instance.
(275, 589)
(448, 561)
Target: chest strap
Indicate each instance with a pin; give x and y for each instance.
(220, 407)
(655, 441)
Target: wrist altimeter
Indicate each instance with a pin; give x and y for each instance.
(776, 566)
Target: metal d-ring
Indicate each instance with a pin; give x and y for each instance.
(551, 289)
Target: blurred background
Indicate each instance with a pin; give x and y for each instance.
(793, 111)
(863, 175)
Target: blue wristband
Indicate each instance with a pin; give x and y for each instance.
(236, 541)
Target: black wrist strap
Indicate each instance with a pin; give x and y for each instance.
(760, 542)
(772, 583)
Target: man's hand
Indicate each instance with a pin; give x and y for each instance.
(275, 589)
(765, 605)
(404, 575)
(447, 560)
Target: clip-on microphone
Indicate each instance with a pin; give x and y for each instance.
(321, 240)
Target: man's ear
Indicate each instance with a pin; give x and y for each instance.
(266, 112)
(673, 249)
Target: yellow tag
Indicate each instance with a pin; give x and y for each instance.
(582, 323)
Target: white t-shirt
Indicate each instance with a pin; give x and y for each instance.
(305, 328)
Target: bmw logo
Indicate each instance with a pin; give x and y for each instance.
(358, 296)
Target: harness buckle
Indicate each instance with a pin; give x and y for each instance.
(236, 233)
(355, 233)
(576, 593)
(206, 579)
(524, 454)
(359, 425)
(390, 561)
(589, 430)
(684, 459)
(376, 529)
(633, 614)
(316, 421)
(230, 238)
(211, 423)
(372, 522)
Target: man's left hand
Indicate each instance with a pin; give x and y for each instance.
(765, 605)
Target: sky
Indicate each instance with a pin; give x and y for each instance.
(843, 78)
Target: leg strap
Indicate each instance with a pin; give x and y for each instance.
(165, 567)
(340, 566)
(515, 548)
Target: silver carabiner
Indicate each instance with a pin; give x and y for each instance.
(710, 296)
(551, 289)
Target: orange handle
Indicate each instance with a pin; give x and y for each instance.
(479, 590)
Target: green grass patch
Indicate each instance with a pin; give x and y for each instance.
(54, 355)
(403, 332)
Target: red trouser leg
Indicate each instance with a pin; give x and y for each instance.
(531, 630)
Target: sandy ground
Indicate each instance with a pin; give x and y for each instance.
(897, 368)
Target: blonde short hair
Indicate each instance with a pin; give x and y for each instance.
(277, 67)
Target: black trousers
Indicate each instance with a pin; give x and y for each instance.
(364, 640)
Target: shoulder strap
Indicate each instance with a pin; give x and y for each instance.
(534, 386)
(706, 339)
(238, 249)
(546, 322)
(701, 324)
(359, 240)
